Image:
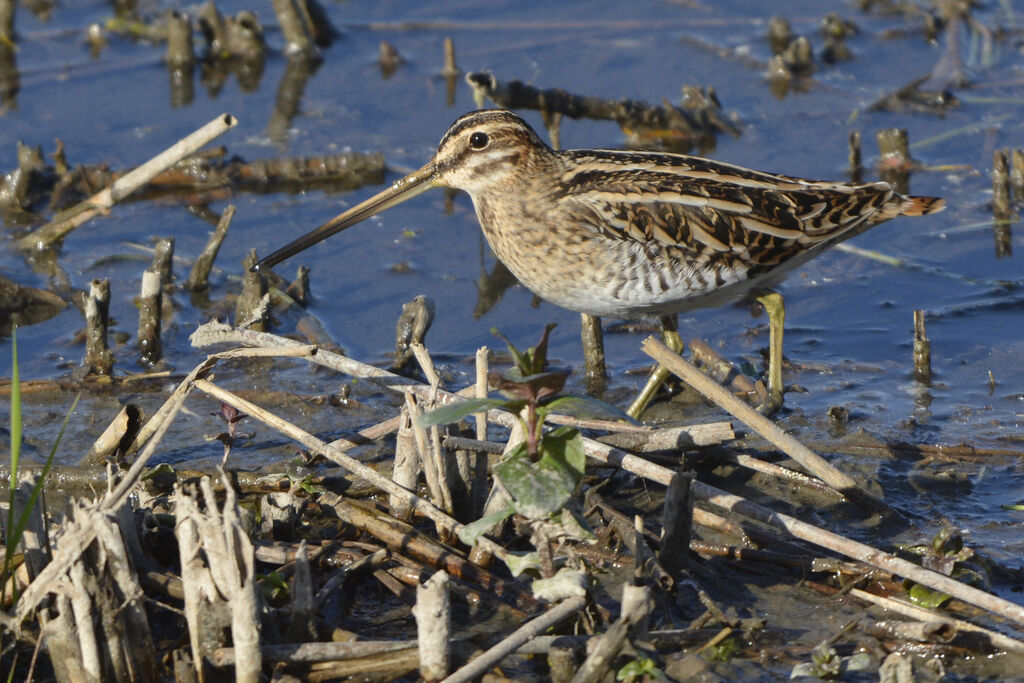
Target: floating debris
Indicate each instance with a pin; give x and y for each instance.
(699, 118)
(23, 305)
(98, 358)
(913, 97)
(388, 59)
(415, 320)
(836, 30)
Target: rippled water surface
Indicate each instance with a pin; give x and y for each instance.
(849, 324)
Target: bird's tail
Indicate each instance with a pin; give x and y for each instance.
(921, 206)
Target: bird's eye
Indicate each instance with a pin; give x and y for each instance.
(478, 140)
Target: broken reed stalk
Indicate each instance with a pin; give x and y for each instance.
(101, 202)
(998, 640)
(554, 616)
(763, 426)
(479, 487)
(310, 653)
(637, 603)
(199, 276)
(450, 68)
(302, 626)
(150, 303)
(407, 467)
(67, 554)
(252, 307)
(676, 521)
(180, 54)
(856, 165)
(922, 350)
(433, 466)
(808, 532)
(356, 467)
(218, 573)
(1017, 173)
(163, 259)
(433, 615)
(98, 357)
(293, 16)
(1001, 203)
(214, 332)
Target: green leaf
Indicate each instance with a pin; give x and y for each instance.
(562, 450)
(521, 360)
(926, 597)
(471, 532)
(539, 354)
(453, 412)
(536, 386)
(518, 563)
(584, 407)
(536, 490)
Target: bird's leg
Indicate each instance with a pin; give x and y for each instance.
(776, 310)
(593, 354)
(660, 373)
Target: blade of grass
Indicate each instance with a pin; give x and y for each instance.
(37, 488)
(15, 448)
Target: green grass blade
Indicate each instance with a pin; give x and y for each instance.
(15, 447)
(38, 487)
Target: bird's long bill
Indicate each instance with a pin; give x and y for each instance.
(408, 187)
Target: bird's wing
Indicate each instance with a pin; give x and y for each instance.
(697, 206)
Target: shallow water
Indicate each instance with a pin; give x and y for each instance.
(849, 318)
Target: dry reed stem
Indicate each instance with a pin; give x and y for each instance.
(998, 640)
(809, 532)
(101, 202)
(517, 639)
(199, 275)
(432, 612)
(67, 554)
(216, 332)
(308, 653)
(336, 455)
(762, 425)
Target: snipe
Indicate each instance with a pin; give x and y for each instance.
(632, 234)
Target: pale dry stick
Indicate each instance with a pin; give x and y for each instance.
(482, 366)
(215, 332)
(68, 553)
(101, 202)
(309, 653)
(432, 612)
(432, 467)
(479, 486)
(517, 639)
(434, 452)
(199, 275)
(809, 532)
(426, 363)
(999, 640)
(357, 468)
(762, 425)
